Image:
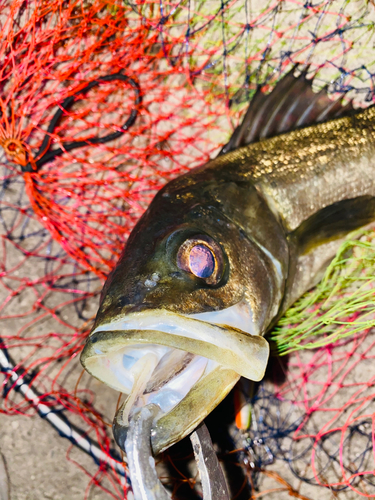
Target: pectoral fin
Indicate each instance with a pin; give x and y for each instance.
(333, 222)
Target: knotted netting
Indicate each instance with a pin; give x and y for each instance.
(102, 102)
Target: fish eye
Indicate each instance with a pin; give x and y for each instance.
(201, 261)
(202, 257)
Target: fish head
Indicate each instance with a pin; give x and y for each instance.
(182, 315)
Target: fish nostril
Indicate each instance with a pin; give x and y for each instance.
(93, 338)
(124, 301)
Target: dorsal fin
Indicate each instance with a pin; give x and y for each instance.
(291, 104)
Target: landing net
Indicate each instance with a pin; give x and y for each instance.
(167, 83)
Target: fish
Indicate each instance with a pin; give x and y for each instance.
(225, 249)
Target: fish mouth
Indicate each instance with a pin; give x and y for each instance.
(184, 364)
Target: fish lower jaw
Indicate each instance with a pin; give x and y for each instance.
(186, 387)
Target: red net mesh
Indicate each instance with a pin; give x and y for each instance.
(65, 217)
(319, 422)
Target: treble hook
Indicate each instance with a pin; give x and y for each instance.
(144, 479)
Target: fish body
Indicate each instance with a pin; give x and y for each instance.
(225, 249)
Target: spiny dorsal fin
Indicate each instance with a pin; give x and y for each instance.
(291, 104)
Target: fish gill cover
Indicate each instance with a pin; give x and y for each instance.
(73, 73)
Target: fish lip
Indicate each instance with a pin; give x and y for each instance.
(242, 352)
(239, 353)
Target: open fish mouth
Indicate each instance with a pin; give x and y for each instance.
(183, 364)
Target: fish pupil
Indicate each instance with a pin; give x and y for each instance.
(201, 261)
